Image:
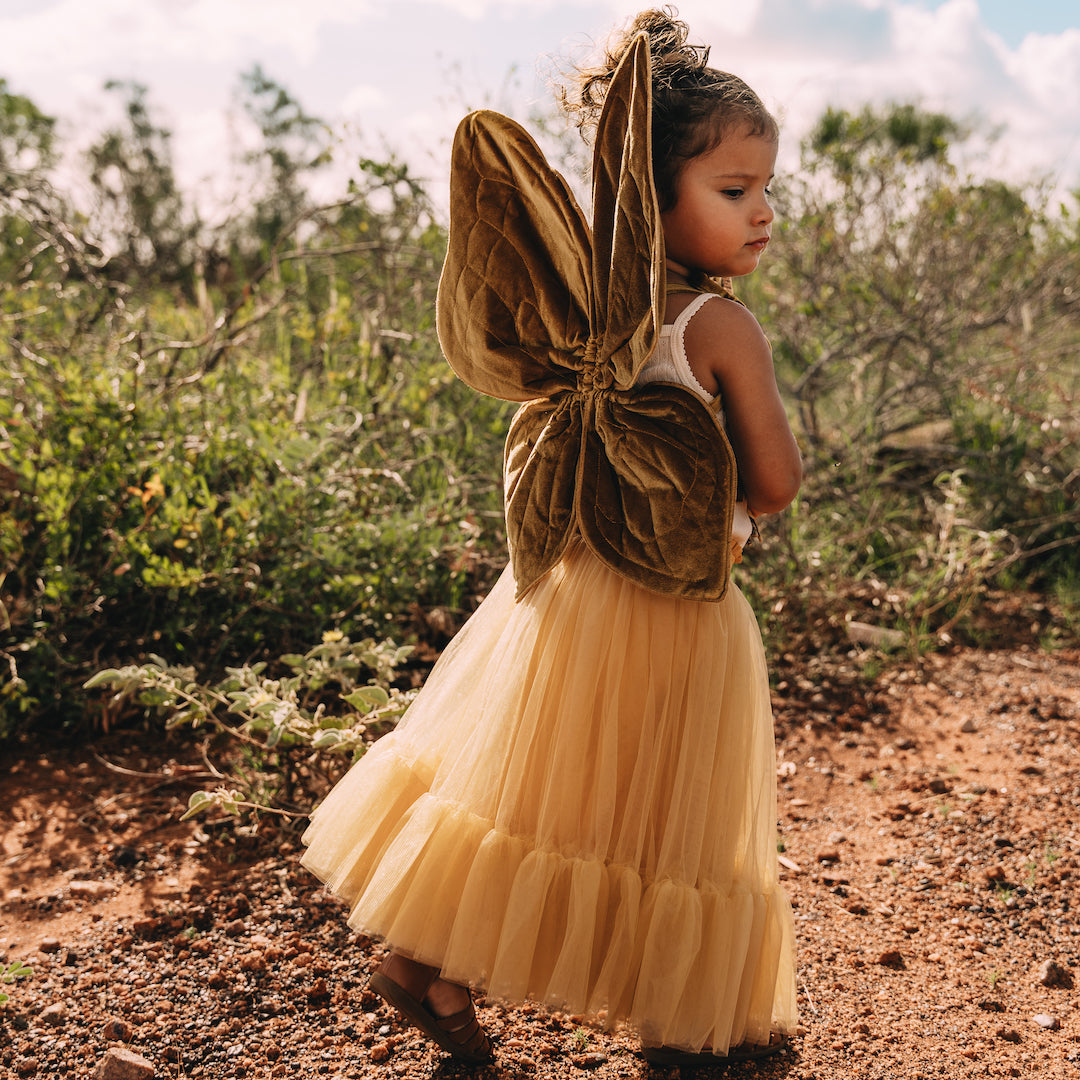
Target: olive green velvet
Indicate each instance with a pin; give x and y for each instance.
(535, 307)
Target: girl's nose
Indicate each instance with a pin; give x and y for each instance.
(764, 213)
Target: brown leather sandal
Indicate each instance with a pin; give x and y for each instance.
(670, 1055)
(459, 1034)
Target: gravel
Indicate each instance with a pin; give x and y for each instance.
(930, 845)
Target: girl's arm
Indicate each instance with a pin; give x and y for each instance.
(730, 355)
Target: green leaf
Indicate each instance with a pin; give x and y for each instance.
(108, 677)
(199, 801)
(367, 697)
(15, 970)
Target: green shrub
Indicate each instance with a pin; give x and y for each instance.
(215, 459)
(287, 737)
(218, 495)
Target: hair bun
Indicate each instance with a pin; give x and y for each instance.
(693, 105)
(674, 63)
(673, 59)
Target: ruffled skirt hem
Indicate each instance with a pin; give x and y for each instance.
(579, 809)
(688, 966)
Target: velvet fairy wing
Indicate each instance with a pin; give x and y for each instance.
(534, 307)
(514, 310)
(654, 498)
(514, 296)
(628, 248)
(656, 494)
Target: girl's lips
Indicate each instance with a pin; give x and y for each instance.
(759, 245)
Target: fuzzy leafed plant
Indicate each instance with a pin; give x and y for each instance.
(9, 973)
(288, 737)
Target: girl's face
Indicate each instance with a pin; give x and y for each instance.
(721, 218)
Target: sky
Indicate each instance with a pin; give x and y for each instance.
(399, 74)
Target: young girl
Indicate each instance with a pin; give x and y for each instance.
(579, 807)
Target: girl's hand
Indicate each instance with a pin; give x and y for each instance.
(730, 355)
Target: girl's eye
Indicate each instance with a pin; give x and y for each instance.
(768, 191)
(732, 193)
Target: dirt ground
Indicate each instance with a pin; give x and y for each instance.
(930, 838)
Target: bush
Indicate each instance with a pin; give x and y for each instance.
(296, 733)
(215, 457)
(925, 334)
(221, 488)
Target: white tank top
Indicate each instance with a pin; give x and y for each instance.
(669, 364)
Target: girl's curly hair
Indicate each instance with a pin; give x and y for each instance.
(694, 105)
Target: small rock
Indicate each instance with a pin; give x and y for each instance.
(993, 874)
(122, 1064)
(91, 890)
(836, 838)
(26, 1066)
(969, 727)
(860, 633)
(1051, 973)
(588, 1061)
(990, 1005)
(380, 1052)
(1049, 1023)
(54, 1014)
(253, 961)
(890, 958)
(239, 906)
(1008, 1035)
(828, 855)
(49, 945)
(116, 1030)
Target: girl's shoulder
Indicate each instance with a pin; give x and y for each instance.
(716, 335)
(721, 322)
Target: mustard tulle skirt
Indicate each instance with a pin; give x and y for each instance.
(579, 808)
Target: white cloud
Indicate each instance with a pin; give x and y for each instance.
(94, 34)
(1048, 66)
(801, 55)
(846, 53)
(362, 99)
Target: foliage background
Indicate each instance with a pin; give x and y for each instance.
(219, 444)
